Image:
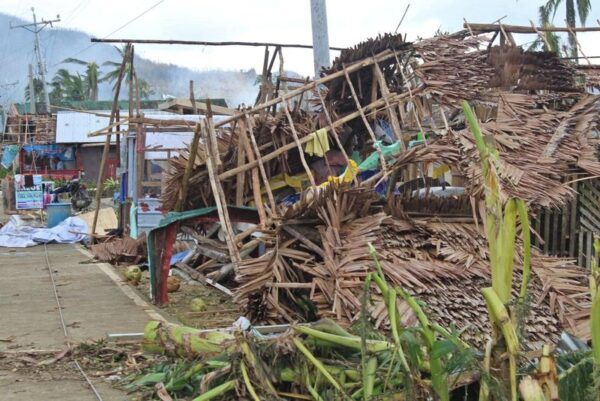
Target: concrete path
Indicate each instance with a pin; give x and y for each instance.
(95, 302)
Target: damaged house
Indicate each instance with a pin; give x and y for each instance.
(284, 199)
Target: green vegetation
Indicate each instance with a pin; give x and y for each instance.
(573, 8)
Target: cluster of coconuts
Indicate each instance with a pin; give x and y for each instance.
(133, 274)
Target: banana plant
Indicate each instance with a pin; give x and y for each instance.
(500, 224)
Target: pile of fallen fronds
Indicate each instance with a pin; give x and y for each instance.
(321, 361)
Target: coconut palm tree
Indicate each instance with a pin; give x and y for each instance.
(67, 86)
(91, 77)
(38, 88)
(574, 8)
(112, 75)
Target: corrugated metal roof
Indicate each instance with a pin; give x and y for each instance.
(74, 127)
(23, 108)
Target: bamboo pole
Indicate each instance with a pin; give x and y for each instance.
(541, 35)
(366, 122)
(312, 85)
(188, 170)
(385, 91)
(261, 168)
(241, 177)
(262, 91)
(209, 136)
(106, 130)
(334, 134)
(193, 97)
(140, 159)
(311, 178)
(482, 28)
(337, 123)
(410, 93)
(106, 148)
(206, 43)
(571, 31)
(254, 173)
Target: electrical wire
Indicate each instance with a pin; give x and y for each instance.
(64, 327)
(118, 29)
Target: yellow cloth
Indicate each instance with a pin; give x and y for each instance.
(319, 144)
(280, 181)
(345, 178)
(440, 170)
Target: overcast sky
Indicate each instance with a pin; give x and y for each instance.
(284, 21)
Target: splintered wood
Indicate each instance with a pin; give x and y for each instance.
(399, 171)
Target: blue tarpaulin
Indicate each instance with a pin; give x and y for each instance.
(64, 153)
(9, 154)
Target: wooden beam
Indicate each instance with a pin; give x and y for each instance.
(311, 178)
(205, 43)
(210, 137)
(482, 28)
(366, 122)
(192, 97)
(258, 203)
(105, 151)
(188, 170)
(201, 107)
(140, 158)
(106, 130)
(391, 111)
(241, 177)
(261, 168)
(338, 123)
(314, 84)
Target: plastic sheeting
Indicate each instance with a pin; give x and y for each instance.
(71, 230)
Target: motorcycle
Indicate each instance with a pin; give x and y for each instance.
(80, 198)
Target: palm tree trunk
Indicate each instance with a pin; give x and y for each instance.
(571, 23)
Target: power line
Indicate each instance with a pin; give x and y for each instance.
(117, 30)
(36, 27)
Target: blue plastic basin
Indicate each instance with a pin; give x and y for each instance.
(57, 213)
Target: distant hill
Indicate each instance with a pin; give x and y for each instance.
(16, 51)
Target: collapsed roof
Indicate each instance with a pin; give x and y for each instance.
(391, 111)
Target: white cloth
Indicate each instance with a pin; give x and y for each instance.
(69, 231)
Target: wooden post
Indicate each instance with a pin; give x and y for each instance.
(214, 144)
(312, 85)
(193, 97)
(282, 149)
(410, 93)
(391, 112)
(106, 149)
(209, 136)
(542, 36)
(261, 168)
(298, 144)
(578, 46)
(366, 122)
(140, 158)
(240, 185)
(334, 134)
(263, 92)
(188, 169)
(243, 139)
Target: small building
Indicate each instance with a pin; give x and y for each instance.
(57, 145)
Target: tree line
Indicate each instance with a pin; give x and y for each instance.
(67, 86)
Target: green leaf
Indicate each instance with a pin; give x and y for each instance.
(442, 348)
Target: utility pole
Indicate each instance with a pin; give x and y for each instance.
(318, 17)
(32, 96)
(36, 28)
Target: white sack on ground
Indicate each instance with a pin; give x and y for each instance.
(69, 231)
